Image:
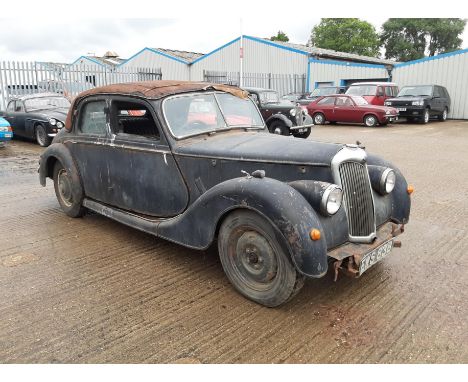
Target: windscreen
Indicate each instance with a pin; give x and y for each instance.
(415, 91)
(358, 100)
(322, 92)
(207, 112)
(269, 97)
(362, 90)
(44, 103)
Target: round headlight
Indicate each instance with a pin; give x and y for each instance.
(52, 121)
(292, 112)
(387, 181)
(331, 200)
(59, 124)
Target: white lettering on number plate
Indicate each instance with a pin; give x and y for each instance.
(375, 256)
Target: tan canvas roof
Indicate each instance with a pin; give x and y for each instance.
(153, 90)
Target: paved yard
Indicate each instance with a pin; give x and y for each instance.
(92, 290)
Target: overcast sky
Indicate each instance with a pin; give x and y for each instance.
(199, 29)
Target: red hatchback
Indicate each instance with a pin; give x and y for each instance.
(350, 109)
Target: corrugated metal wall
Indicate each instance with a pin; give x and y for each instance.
(336, 72)
(171, 69)
(258, 58)
(449, 70)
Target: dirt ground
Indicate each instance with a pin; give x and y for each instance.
(91, 290)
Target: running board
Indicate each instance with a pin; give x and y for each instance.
(124, 217)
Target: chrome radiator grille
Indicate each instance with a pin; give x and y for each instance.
(358, 199)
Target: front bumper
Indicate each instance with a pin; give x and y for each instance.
(410, 111)
(301, 127)
(352, 253)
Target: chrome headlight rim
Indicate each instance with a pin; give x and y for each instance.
(60, 124)
(292, 112)
(387, 187)
(324, 203)
(52, 121)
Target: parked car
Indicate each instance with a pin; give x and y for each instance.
(279, 208)
(37, 116)
(5, 131)
(350, 109)
(307, 98)
(421, 102)
(281, 116)
(374, 92)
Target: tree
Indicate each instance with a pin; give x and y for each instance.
(349, 35)
(411, 39)
(281, 36)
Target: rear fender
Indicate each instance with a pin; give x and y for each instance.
(59, 152)
(286, 209)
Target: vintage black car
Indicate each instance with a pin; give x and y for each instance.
(422, 102)
(282, 117)
(37, 116)
(193, 163)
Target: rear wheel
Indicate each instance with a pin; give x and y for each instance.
(370, 120)
(443, 116)
(278, 127)
(66, 192)
(255, 262)
(41, 136)
(319, 119)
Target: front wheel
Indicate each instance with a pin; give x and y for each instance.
(319, 119)
(41, 136)
(255, 262)
(303, 135)
(370, 120)
(278, 127)
(67, 192)
(426, 116)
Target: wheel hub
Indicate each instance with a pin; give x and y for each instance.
(277, 130)
(64, 187)
(256, 258)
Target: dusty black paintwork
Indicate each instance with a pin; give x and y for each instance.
(181, 190)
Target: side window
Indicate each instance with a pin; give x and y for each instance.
(437, 92)
(342, 101)
(380, 91)
(133, 119)
(19, 107)
(395, 90)
(326, 101)
(93, 118)
(388, 91)
(11, 106)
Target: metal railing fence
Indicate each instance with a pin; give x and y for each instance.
(22, 78)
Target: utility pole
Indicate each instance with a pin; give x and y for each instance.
(241, 57)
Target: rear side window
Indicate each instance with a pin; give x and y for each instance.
(326, 101)
(437, 93)
(133, 120)
(11, 106)
(93, 118)
(388, 91)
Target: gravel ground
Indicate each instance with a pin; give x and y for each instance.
(91, 290)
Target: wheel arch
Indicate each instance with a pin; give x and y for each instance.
(278, 118)
(282, 206)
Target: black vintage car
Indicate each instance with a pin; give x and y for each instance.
(421, 102)
(282, 117)
(37, 116)
(193, 163)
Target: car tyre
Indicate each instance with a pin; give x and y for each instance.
(370, 120)
(303, 135)
(278, 127)
(42, 138)
(426, 116)
(65, 189)
(319, 119)
(443, 116)
(255, 262)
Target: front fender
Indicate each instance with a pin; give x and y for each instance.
(279, 117)
(287, 210)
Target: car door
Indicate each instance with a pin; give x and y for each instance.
(438, 100)
(345, 111)
(20, 118)
(142, 172)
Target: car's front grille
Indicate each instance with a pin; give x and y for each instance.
(299, 116)
(358, 199)
(401, 103)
